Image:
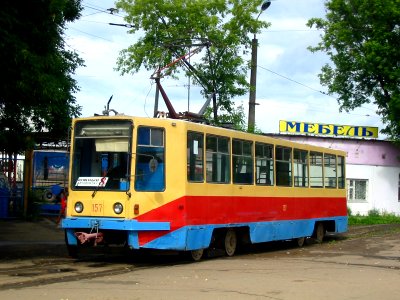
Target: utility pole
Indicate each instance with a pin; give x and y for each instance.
(253, 74)
(156, 97)
(253, 83)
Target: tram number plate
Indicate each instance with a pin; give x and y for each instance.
(97, 207)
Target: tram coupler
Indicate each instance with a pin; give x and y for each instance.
(84, 237)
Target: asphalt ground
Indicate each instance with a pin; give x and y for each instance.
(23, 239)
(362, 264)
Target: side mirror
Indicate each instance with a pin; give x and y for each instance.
(153, 164)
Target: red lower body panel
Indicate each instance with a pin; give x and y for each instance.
(200, 210)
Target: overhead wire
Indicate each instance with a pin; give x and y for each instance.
(98, 9)
(311, 88)
(111, 10)
(87, 33)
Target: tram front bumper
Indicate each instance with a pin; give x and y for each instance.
(132, 227)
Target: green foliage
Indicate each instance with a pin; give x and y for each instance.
(36, 90)
(374, 217)
(235, 118)
(168, 28)
(373, 213)
(361, 37)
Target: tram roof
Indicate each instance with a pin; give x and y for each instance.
(276, 139)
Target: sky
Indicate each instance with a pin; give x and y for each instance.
(288, 86)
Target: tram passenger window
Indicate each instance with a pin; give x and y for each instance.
(242, 161)
(316, 179)
(330, 170)
(217, 159)
(283, 166)
(341, 172)
(264, 164)
(300, 167)
(195, 159)
(150, 157)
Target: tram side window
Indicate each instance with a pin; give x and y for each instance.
(300, 167)
(341, 172)
(316, 175)
(150, 157)
(217, 159)
(195, 160)
(283, 166)
(330, 170)
(242, 160)
(264, 164)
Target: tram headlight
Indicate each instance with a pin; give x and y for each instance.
(78, 207)
(118, 208)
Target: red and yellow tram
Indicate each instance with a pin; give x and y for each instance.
(178, 185)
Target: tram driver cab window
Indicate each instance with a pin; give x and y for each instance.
(195, 160)
(150, 157)
(101, 155)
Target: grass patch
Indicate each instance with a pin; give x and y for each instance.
(374, 217)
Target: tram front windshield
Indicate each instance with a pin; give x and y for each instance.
(101, 159)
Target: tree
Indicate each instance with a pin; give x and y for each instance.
(362, 37)
(234, 119)
(170, 29)
(36, 87)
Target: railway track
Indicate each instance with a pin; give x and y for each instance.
(22, 273)
(44, 271)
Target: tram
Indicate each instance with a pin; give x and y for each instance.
(170, 184)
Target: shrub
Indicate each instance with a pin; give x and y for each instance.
(374, 217)
(374, 213)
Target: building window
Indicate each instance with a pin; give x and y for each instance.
(357, 190)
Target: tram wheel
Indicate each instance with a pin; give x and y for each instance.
(319, 233)
(300, 241)
(230, 242)
(196, 255)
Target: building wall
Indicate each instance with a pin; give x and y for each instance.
(376, 161)
(382, 188)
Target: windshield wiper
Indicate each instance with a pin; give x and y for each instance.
(101, 183)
